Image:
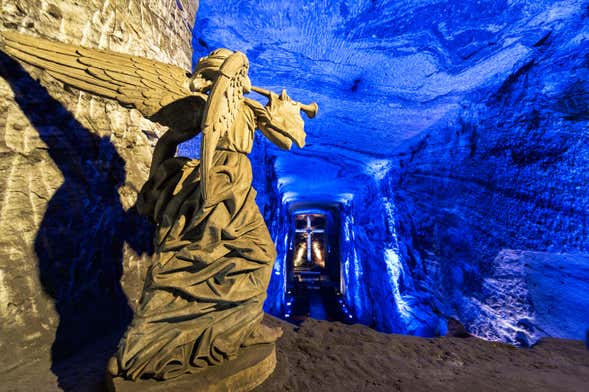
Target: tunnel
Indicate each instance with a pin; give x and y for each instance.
(444, 160)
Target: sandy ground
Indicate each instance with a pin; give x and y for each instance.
(324, 356)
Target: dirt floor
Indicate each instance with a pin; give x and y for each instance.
(324, 356)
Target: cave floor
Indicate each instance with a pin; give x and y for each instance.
(327, 356)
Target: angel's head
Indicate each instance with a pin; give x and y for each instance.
(207, 69)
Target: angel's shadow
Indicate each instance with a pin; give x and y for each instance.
(80, 241)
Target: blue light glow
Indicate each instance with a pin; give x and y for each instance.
(454, 138)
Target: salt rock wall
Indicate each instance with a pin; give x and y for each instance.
(529, 295)
(385, 284)
(470, 118)
(508, 173)
(71, 165)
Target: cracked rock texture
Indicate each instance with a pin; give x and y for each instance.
(530, 295)
(70, 168)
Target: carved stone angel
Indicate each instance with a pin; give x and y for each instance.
(203, 295)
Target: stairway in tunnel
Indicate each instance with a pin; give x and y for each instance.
(320, 303)
(313, 277)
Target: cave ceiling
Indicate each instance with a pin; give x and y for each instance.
(382, 72)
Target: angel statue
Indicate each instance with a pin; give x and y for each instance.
(203, 295)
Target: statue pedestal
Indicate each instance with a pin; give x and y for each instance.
(251, 368)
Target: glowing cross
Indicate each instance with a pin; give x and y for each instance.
(309, 231)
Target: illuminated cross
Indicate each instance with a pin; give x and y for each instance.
(309, 231)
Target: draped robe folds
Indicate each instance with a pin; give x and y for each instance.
(204, 293)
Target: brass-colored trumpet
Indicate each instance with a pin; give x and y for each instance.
(310, 109)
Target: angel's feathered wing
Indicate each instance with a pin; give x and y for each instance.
(223, 104)
(147, 85)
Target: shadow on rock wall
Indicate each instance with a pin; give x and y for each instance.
(80, 241)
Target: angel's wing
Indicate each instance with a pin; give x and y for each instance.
(146, 85)
(223, 104)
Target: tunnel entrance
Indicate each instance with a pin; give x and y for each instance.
(314, 276)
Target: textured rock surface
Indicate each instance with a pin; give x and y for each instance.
(530, 295)
(510, 172)
(70, 168)
(447, 131)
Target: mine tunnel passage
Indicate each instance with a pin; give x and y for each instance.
(314, 273)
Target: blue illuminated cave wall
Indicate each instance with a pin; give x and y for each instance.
(386, 286)
(510, 172)
(454, 138)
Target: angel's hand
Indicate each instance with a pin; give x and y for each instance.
(285, 117)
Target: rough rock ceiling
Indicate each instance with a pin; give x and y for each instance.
(381, 71)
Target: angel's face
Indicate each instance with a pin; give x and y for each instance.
(199, 84)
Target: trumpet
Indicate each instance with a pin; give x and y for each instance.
(310, 109)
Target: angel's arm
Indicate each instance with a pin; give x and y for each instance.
(264, 124)
(166, 148)
(275, 137)
(182, 128)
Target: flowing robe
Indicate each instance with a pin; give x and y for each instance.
(204, 293)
